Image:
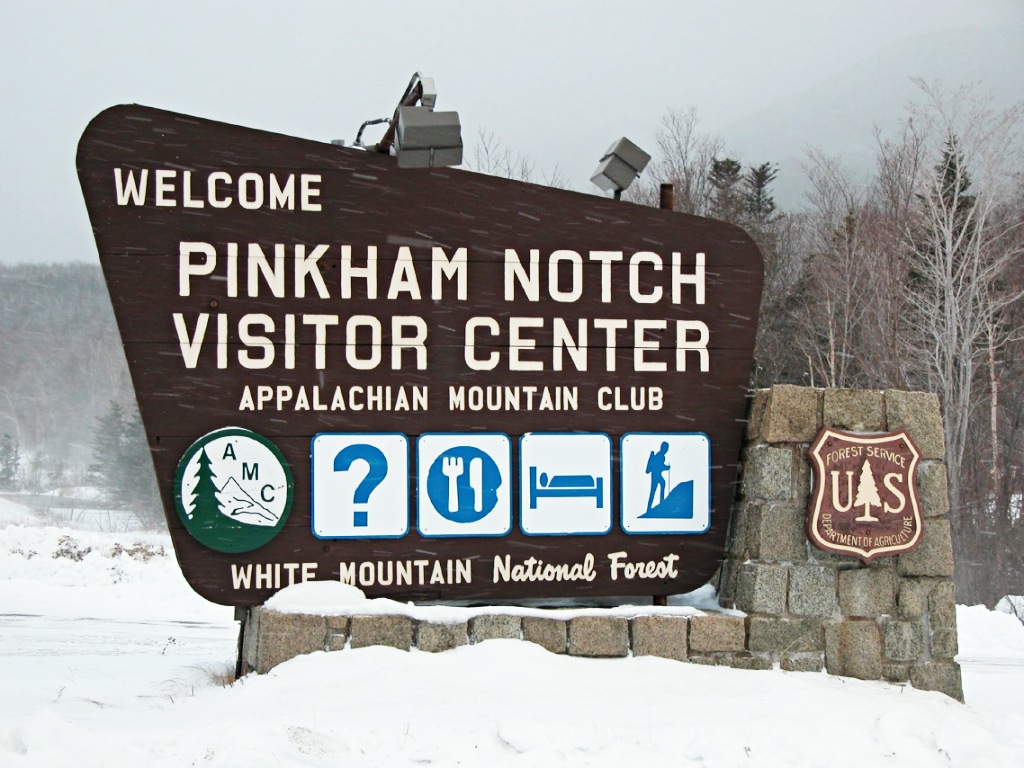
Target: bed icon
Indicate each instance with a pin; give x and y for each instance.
(565, 483)
(562, 486)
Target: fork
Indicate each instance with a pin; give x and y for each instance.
(451, 467)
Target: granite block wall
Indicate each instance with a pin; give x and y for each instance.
(805, 610)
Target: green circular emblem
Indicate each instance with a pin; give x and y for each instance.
(233, 490)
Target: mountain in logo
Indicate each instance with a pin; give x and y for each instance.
(237, 504)
(678, 505)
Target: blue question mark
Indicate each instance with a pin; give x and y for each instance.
(378, 471)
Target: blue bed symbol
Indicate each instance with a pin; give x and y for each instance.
(562, 486)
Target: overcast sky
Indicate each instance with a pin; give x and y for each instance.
(557, 81)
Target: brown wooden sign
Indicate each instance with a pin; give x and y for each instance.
(864, 502)
(429, 383)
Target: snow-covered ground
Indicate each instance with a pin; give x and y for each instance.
(108, 659)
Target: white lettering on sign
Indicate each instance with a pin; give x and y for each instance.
(172, 188)
(271, 575)
(524, 280)
(261, 339)
(283, 397)
(512, 344)
(665, 568)
(421, 572)
(509, 341)
(513, 398)
(535, 569)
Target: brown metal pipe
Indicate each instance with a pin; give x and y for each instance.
(667, 198)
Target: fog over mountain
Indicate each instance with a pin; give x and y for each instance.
(839, 114)
(556, 82)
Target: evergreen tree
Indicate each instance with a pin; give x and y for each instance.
(946, 234)
(758, 202)
(867, 494)
(121, 466)
(206, 507)
(726, 189)
(10, 463)
(107, 453)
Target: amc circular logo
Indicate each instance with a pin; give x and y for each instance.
(233, 490)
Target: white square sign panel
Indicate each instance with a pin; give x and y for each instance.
(666, 482)
(360, 485)
(464, 483)
(565, 484)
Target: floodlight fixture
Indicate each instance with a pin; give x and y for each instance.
(421, 137)
(620, 166)
(428, 139)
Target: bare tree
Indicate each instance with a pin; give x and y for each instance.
(494, 158)
(837, 276)
(962, 249)
(685, 158)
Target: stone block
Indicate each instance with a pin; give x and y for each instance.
(434, 637)
(801, 662)
(938, 676)
(741, 661)
(895, 672)
(391, 631)
(856, 410)
(812, 591)
(867, 592)
(727, 585)
(598, 636)
(251, 640)
(495, 627)
(942, 606)
(736, 661)
(713, 633)
(547, 633)
(663, 636)
(832, 638)
(912, 601)
(944, 644)
(904, 641)
(761, 588)
(739, 525)
(755, 422)
(802, 483)
(791, 415)
(854, 649)
(776, 533)
(768, 473)
(284, 636)
(933, 489)
(337, 632)
(707, 661)
(918, 413)
(785, 635)
(934, 554)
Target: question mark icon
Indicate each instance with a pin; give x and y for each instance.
(378, 470)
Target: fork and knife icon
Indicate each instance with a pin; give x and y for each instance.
(454, 467)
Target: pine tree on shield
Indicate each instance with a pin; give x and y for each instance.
(867, 494)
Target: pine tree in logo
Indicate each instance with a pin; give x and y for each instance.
(233, 490)
(206, 508)
(867, 494)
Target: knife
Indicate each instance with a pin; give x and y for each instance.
(476, 482)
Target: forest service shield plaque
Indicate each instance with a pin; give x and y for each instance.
(864, 501)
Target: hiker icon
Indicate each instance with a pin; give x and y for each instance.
(666, 483)
(657, 466)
